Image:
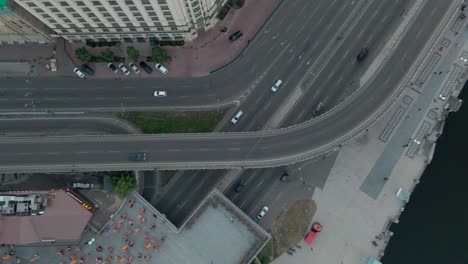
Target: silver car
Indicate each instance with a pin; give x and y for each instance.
(161, 68)
(79, 73)
(262, 213)
(124, 69)
(134, 67)
(236, 118)
(160, 93)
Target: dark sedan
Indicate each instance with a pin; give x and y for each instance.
(146, 67)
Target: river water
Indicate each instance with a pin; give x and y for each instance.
(434, 226)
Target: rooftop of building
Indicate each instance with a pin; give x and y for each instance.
(217, 232)
(34, 217)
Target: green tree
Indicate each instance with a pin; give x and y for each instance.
(83, 54)
(265, 260)
(108, 55)
(160, 55)
(133, 53)
(123, 183)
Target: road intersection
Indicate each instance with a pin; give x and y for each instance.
(217, 150)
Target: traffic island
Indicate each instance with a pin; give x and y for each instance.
(175, 122)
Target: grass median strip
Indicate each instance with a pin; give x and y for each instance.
(174, 122)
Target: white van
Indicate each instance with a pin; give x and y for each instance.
(276, 86)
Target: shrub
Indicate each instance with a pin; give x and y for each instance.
(123, 183)
(159, 55)
(133, 53)
(107, 55)
(82, 54)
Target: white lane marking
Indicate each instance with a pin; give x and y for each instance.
(384, 19)
(84, 152)
(173, 150)
(289, 28)
(331, 74)
(233, 149)
(320, 21)
(112, 151)
(315, 45)
(360, 34)
(419, 34)
(205, 149)
(433, 12)
(346, 54)
(52, 153)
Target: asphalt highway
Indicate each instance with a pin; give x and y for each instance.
(263, 103)
(62, 126)
(224, 150)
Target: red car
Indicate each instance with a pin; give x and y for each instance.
(316, 228)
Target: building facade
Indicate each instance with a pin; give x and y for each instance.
(18, 26)
(128, 20)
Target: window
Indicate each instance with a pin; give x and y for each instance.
(47, 4)
(96, 3)
(54, 10)
(80, 3)
(113, 3)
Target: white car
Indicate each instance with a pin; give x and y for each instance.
(134, 67)
(79, 73)
(276, 86)
(262, 213)
(124, 69)
(160, 93)
(235, 119)
(53, 65)
(161, 68)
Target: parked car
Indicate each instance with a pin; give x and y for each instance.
(138, 156)
(235, 119)
(87, 69)
(53, 65)
(146, 67)
(161, 68)
(134, 67)
(78, 72)
(362, 54)
(262, 213)
(276, 86)
(112, 67)
(284, 177)
(310, 237)
(235, 36)
(124, 69)
(160, 93)
(240, 186)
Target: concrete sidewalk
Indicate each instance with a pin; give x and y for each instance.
(210, 51)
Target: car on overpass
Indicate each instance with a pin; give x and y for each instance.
(137, 156)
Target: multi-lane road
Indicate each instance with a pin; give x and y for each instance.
(252, 74)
